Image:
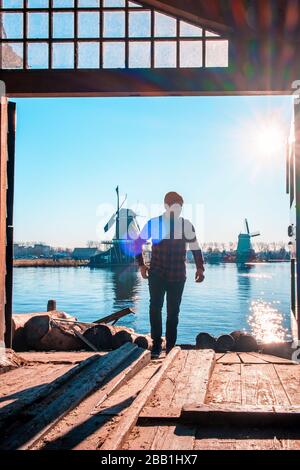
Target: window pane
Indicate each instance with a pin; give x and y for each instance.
(63, 55)
(63, 25)
(140, 24)
(38, 3)
(114, 24)
(191, 53)
(134, 5)
(211, 34)
(114, 55)
(88, 3)
(217, 53)
(88, 24)
(37, 55)
(140, 54)
(38, 25)
(12, 25)
(12, 56)
(189, 30)
(88, 55)
(165, 26)
(113, 3)
(165, 54)
(63, 3)
(12, 3)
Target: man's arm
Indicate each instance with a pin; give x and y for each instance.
(195, 248)
(139, 243)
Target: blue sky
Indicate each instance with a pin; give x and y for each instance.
(72, 153)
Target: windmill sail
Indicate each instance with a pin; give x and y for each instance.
(110, 223)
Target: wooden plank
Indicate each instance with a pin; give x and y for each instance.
(274, 359)
(129, 419)
(159, 414)
(289, 377)
(219, 356)
(247, 358)
(259, 417)
(114, 317)
(86, 424)
(142, 436)
(225, 439)
(191, 384)
(230, 358)
(17, 401)
(47, 414)
(261, 386)
(225, 384)
(177, 437)
(200, 377)
(3, 188)
(61, 357)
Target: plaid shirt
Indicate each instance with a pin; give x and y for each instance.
(170, 238)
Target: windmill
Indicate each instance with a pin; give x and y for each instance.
(245, 252)
(125, 220)
(120, 250)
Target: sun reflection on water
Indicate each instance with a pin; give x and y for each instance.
(266, 322)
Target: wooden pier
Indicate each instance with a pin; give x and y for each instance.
(188, 400)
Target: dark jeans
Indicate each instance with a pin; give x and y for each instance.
(158, 287)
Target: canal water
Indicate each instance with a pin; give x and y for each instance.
(256, 299)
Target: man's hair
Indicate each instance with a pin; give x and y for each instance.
(173, 198)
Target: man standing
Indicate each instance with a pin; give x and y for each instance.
(170, 235)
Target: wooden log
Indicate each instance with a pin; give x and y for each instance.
(120, 338)
(18, 326)
(10, 360)
(236, 334)
(143, 341)
(51, 305)
(28, 434)
(35, 328)
(118, 436)
(246, 343)
(205, 341)
(114, 317)
(225, 343)
(242, 416)
(100, 336)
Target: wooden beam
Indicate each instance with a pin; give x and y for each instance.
(130, 417)
(241, 415)
(191, 11)
(3, 186)
(235, 80)
(114, 317)
(10, 413)
(48, 414)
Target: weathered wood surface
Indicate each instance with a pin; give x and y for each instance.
(118, 437)
(56, 357)
(18, 394)
(49, 412)
(87, 425)
(229, 358)
(186, 381)
(9, 360)
(242, 416)
(135, 408)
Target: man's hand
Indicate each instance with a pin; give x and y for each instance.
(200, 275)
(144, 272)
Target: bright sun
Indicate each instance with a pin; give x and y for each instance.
(270, 140)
